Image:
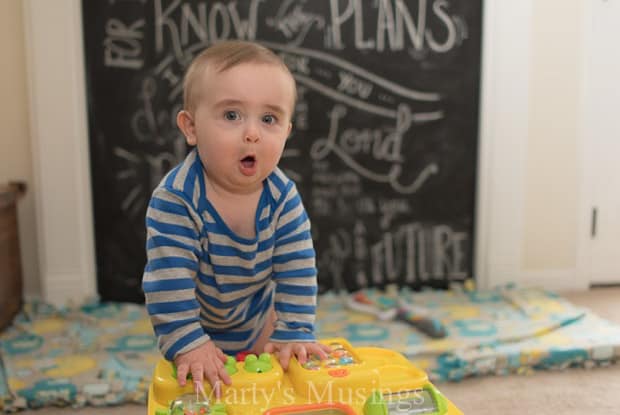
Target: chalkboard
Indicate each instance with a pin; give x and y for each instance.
(384, 144)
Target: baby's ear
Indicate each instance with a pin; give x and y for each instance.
(290, 128)
(186, 124)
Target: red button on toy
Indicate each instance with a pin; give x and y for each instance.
(240, 357)
(338, 373)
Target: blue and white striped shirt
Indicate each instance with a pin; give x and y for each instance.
(203, 281)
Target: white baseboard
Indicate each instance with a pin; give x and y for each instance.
(62, 289)
(559, 280)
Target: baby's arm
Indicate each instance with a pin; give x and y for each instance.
(173, 251)
(296, 285)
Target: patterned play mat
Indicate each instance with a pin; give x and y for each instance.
(104, 354)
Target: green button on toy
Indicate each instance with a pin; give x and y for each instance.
(259, 364)
(230, 365)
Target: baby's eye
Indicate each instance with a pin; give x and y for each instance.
(231, 115)
(269, 119)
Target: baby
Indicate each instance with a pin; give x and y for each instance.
(231, 266)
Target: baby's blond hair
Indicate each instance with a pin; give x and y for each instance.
(222, 56)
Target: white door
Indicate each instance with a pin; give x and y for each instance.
(601, 136)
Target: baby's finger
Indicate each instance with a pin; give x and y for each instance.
(300, 353)
(182, 370)
(270, 348)
(316, 349)
(214, 379)
(284, 357)
(197, 370)
(224, 376)
(323, 350)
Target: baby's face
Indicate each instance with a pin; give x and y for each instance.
(242, 121)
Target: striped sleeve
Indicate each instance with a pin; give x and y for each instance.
(294, 272)
(173, 248)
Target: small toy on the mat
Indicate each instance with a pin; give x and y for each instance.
(388, 307)
(422, 319)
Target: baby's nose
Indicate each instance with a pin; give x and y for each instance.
(251, 134)
(251, 138)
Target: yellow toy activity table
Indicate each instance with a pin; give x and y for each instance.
(352, 381)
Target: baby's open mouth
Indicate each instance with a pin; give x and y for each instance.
(248, 161)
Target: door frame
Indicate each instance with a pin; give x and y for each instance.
(60, 155)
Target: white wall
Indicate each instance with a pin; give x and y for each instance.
(528, 193)
(15, 150)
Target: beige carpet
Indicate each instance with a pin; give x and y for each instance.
(571, 392)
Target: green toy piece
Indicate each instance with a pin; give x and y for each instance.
(438, 398)
(230, 365)
(259, 364)
(197, 409)
(218, 409)
(375, 404)
(435, 404)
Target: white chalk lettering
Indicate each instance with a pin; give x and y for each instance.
(296, 63)
(372, 142)
(397, 24)
(197, 23)
(223, 32)
(296, 23)
(122, 46)
(390, 209)
(353, 85)
(450, 24)
(163, 22)
(180, 24)
(335, 256)
(420, 253)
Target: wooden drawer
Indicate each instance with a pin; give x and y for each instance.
(10, 261)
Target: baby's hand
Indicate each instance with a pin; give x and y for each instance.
(206, 360)
(300, 350)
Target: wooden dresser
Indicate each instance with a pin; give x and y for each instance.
(10, 260)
